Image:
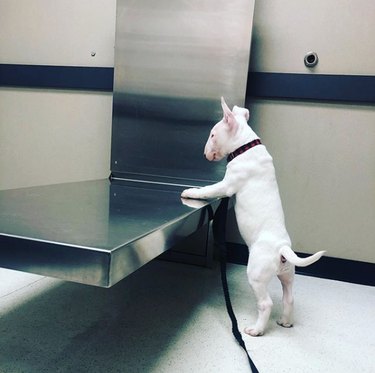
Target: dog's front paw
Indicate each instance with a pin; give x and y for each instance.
(194, 203)
(193, 193)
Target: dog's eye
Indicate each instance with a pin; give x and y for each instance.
(212, 135)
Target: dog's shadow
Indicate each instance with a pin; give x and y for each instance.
(73, 327)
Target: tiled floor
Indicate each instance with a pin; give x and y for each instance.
(171, 317)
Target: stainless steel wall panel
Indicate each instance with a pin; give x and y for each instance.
(173, 61)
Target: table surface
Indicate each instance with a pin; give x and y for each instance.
(98, 219)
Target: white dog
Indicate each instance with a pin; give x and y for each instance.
(250, 177)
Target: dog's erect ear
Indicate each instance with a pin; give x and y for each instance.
(228, 115)
(241, 111)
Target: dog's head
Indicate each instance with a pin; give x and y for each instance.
(224, 136)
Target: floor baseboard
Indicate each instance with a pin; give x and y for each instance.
(327, 267)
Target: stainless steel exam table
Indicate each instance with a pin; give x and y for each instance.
(173, 61)
(92, 232)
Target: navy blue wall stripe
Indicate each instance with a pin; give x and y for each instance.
(351, 88)
(57, 77)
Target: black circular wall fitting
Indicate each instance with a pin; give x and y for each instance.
(311, 59)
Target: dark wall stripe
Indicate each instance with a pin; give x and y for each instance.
(350, 88)
(57, 77)
(327, 267)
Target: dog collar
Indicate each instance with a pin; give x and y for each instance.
(243, 149)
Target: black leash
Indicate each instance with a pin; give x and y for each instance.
(219, 228)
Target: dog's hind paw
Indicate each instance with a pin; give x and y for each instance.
(253, 332)
(284, 324)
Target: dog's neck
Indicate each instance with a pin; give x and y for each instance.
(244, 139)
(242, 149)
(243, 135)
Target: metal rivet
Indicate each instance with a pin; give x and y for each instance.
(93, 54)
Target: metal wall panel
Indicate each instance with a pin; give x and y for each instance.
(173, 61)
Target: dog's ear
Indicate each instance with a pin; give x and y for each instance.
(228, 115)
(241, 111)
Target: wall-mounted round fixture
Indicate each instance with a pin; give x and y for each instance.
(311, 59)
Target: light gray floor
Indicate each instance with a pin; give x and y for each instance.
(171, 317)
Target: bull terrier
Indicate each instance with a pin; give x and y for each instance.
(250, 178)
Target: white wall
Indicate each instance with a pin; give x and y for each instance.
(324, 153)
(341, 32)
(57, 32)
(50, 136)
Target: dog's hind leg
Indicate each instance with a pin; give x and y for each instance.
(259, 279)
(286, 278)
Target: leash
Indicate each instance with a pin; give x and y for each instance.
(219, 228)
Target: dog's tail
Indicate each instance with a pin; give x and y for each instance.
(292, 257)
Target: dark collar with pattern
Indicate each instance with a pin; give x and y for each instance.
(243, 149)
